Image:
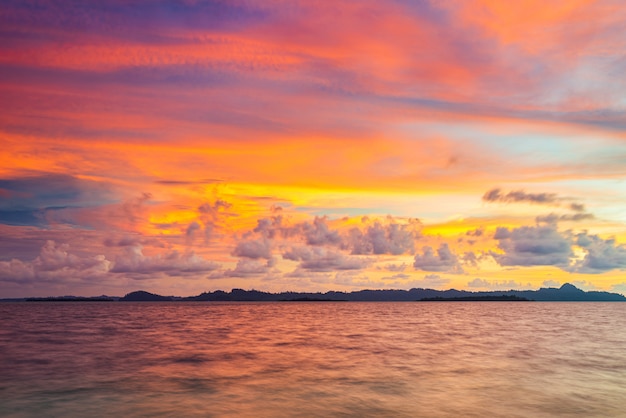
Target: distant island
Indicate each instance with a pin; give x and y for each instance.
(566, 293)
(494, 298)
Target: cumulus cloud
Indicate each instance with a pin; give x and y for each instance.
(54, 263)
(478, 232)
(322, 259)
(443, 261)
(17, 271)
(470, 258)
(601, 254)
(270, 227)
(254, 249)
(247, 267)
(543, 245)
(173, 263)
(212, 216)
(213, 211)
(392, 238)
(318, 233)
(539, 245)
(192, 230)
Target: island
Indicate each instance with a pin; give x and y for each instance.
(565, 293)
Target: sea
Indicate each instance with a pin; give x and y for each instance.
(313, 359)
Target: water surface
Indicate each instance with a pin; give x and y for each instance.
(430, 359)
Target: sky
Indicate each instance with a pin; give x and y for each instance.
(187, 146)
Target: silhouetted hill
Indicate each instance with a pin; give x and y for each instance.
(489, 298)
(567, 292)
(142, 296)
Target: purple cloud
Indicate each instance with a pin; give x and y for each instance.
(443, 261)
(533, 246)
(321, 259)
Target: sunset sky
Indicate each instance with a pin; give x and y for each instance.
(188, 146)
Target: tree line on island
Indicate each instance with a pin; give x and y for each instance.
(567, 292)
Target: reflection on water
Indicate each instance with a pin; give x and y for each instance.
(472, 359)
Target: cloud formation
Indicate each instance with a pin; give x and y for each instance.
(601, 254)
(392, 239)
(321, 259)
(318, 233)
(550, 199)
(54, 263)
(247, 267)
(254, 249)
(443, 261)
(533, 246)
(553, 218)
(137, 265)
(179, 132)
(496, 195)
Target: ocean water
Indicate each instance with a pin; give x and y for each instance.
(313, 359)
